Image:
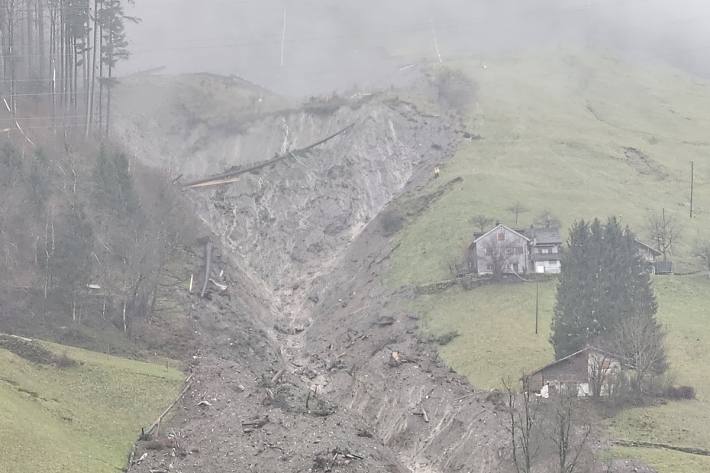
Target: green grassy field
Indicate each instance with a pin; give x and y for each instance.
(77, 419)
(556, 134)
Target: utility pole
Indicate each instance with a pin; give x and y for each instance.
(692, 183)
(283, 39)
(537, 305)
(435, 37)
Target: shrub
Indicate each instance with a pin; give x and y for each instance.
(679, 392)
(63, 361)
(454, 88)
(392, 222)
(447, 338)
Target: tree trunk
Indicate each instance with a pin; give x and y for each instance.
(11, 53)
(125, 323)
(95, 48)
(109, 86)
(101, 74)
(40, 36)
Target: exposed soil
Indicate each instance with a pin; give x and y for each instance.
(308, 362)
(33, 352)
(644, 164)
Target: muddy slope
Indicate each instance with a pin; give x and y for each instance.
(307, 361)
(259, 400)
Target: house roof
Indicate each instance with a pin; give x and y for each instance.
(572, 355)
(648, 247)
(546, 235)
(546, 257)
(500, 225)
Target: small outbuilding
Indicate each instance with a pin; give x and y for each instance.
(585, 373)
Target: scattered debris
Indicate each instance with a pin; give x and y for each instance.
(257, 423)
(385, 321)
(423, 414)
(232, 175)
(208, 267)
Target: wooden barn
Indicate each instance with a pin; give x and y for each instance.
(588, 372)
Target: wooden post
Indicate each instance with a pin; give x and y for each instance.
(283, 39)
(692, 184)
(436, 43)
(537, 306)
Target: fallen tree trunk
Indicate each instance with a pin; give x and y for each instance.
(156, 424)
(232, 175)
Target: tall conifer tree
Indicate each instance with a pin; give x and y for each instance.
(604, 282)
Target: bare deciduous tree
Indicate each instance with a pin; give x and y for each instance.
(569, 438)
(547, 219)
(482, 222)
(523, 411)
(516, 209)
(501, 256)
(602, 374)
(663, 230)
(702, 251)
(640, 340)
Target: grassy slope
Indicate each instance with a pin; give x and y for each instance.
(554, 132)
(77, 419)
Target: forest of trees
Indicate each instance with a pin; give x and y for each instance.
(85, 237)
(58, 62)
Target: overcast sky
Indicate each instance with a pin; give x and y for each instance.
(334, 44)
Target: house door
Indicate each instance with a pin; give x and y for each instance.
(515, 268)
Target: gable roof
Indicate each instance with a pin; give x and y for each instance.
(546, 235)
(572, 355)
(500, 225)
(648, 247)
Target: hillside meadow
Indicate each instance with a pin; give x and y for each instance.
(581, 137)
(78, 418)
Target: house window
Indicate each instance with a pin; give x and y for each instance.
(518, 250)
(501, 236)
(509, 251)
(555, 250)
(489, 267)
(489, 252)
(545, 251)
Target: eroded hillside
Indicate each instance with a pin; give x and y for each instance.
(308, 361)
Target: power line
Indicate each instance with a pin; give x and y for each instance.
(56, 117)
(277, 38)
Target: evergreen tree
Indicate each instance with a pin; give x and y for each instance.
(114, 46)
(604, 282)
(70, 269)
(113, 183)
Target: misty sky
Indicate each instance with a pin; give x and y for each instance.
(335, 44)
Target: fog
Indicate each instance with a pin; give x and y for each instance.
(335, 44)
